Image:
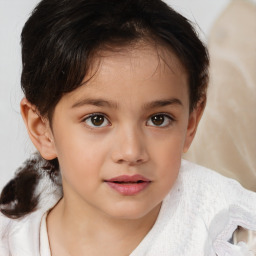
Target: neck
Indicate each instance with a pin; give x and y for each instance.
(81, 230)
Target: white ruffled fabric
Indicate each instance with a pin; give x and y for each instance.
(197, 218)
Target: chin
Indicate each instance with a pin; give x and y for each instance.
(134, 211)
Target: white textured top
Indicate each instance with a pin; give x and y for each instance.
(44, 241)
(197, 218)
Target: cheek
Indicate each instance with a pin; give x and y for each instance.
(166, 155)
(166, 160)
(75, 142)
(80, 158)
(80, 170)
(167, 146)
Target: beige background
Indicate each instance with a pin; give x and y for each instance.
(226, 138)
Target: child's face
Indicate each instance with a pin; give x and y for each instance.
(131, 118)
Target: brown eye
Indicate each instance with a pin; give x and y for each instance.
(160, 120)
(97, 121)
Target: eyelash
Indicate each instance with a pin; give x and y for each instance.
(91, 125)
(89, 117)
(169, 118)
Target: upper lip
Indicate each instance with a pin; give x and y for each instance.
(128, 178)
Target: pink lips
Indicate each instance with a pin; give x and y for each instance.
(128, 185)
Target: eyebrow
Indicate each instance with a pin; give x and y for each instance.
(112, 104)
(162, 103)
(95, 102)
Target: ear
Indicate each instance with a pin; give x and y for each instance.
(194, 118)
(38, 129)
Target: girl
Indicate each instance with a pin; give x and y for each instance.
(114, 91)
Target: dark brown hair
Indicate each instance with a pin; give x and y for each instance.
(61, 38)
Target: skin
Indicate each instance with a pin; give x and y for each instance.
(129, 88)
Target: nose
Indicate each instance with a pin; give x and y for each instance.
(130, 147)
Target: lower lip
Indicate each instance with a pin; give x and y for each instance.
(128, 189)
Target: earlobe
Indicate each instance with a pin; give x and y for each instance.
(38, 129)
(194, 118)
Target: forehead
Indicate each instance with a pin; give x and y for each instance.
(129, 72)
(142, 61)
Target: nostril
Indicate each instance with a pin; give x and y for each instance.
(139, 161)
(132, 157)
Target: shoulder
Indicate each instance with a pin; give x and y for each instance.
(216, 192)
(4, 227)
(200, 215)
(203, 180)
(222, 203)
(20, 237)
